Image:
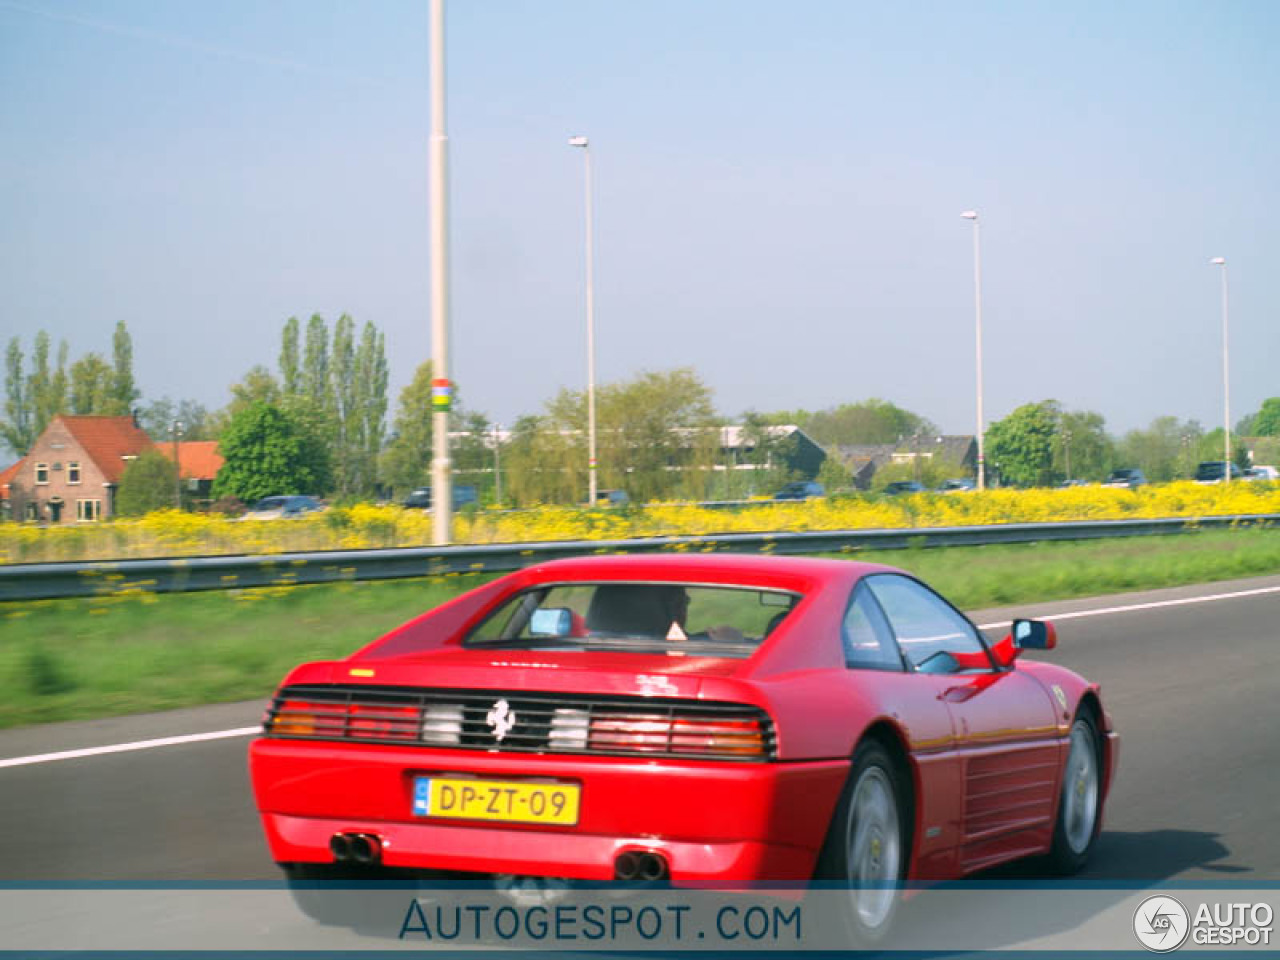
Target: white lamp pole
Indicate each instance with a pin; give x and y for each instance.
(591, 328)
(497, 464)
(977, 307)
(441, 389)
(1226, 378)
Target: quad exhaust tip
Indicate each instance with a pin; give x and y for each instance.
(361, 848)
(645, 866)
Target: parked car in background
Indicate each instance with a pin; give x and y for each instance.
(292, 505)
(1130, 477)
(612, 498)
(1262, 472)
(1215, 471)
(800, 490)
(957, 485)
(420, 499)
(899, 487)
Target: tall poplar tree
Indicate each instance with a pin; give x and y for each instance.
(123, 391)
(314, 380)
(342, 371)
(290, 373)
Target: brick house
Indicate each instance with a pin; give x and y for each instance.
(73, 470)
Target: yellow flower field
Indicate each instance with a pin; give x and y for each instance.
(170, 533)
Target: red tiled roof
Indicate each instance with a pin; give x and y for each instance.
(107, 440)
(196, 458)
(6, 477)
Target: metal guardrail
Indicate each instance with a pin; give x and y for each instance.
(44, 581)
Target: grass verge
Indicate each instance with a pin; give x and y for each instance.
(76, 659)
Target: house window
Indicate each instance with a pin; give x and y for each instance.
(88, 509)
(73, 472)
(42, 473)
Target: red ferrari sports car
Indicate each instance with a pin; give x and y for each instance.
(692, 720)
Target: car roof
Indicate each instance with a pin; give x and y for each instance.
(738, 569)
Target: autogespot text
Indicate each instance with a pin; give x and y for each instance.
(612, 924)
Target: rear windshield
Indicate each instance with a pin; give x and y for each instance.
(669, 618)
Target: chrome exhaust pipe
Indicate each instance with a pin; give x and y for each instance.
(365, 848)
(340, 847)
(627, 866)
(653, 867)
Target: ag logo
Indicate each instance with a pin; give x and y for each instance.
(1161, 924)
(501, 719)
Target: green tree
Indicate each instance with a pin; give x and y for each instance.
(33, 399)
(406, 462)
(1164, 450)
(342, 374)
(18, 426)
(764, 451)
(656, 437)
(158, 416)
(92, 381)
(122, 391)
(871, 421)
(290, 372)
(371, 396)
(271, 450)
(1266, 422)
(1021, 445)
(149, 483)
(1211, 446)
(314, 378)
(47, 387)
(543, 464)
(1082, 449)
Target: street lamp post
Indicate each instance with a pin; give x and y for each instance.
(441, 388)
(977, 307)
(176, 429)
(591, 326)
(1226, 378)
(497, 464)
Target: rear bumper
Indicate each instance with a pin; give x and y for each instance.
(714, 822)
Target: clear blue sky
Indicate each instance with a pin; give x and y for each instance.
(778, 194)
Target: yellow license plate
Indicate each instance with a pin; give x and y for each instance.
(508, 802)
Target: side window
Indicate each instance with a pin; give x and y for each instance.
(868, 641)
(924, 623)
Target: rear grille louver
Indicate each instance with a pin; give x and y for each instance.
(522, 722)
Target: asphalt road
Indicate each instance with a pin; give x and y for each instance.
(1193, 689)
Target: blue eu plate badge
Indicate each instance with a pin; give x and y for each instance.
(422, 796)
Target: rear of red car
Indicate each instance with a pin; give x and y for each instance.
(677, 779)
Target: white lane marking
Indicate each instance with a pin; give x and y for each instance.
(1103, 611)
(126, 747)
(250, 731)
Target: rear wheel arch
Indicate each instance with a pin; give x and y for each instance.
(890, 738)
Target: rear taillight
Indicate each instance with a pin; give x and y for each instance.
(379, 722)
(737, 738)
(659, 733)
(293, 718)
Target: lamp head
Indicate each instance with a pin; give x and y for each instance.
(1219, 261)
(970, 214)
(578, 141)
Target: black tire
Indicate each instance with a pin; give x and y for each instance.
(868, 844)
(1076, 829)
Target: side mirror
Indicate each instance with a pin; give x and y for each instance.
(551, 622)
(1034, 635)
